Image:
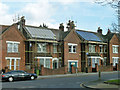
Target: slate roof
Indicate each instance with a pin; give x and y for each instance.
(40, 33)
(89, 36)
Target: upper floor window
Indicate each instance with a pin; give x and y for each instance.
(41, 47)
(101, 48)
(105, 48)
(92, 48)
(72, 48)
(54, 48)
(12, 46)
(115, 48)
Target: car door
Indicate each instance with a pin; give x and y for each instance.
(23, 75)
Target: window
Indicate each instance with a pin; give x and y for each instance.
(115, 48)
(13, 63)
(89, 61)
(54, 48)
(105, 48)
(72, 48)
(45, 62)
(95, 61)
(41, 47)
(105, 61)
(92, 48)
(115, 61)
(12, 47)
(101, 48)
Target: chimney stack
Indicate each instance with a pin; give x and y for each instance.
(61, 27)
(23, 20)
(99, 30)
(70, 25)
(108, 31)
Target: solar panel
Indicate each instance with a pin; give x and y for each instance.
(41, 33)
(88, 36)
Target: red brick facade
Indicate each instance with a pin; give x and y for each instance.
(73, 39)
(12, 34)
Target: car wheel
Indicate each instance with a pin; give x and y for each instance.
(32, 77)
(10, 79)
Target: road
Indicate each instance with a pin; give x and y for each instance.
(61, 82)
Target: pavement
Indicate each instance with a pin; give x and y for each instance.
(73, 75)
(98, 84)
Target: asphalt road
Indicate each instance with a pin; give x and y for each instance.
(63, 82)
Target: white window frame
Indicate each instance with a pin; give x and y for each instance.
(115, 60)
(13, 46)
(44, 60)
(40, 45)
(105, 61)
(105, 49)
(54, 48)
(101, 48)
(92, 48)
(115, 48)
(13, 58)
(96, 60)
(72, 49)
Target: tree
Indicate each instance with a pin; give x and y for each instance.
(116, 5)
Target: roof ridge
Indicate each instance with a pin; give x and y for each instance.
(86, 31)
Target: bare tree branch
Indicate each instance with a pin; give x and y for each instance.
(116, 5)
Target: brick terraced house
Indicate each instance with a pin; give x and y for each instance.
(29, 47)
(12, 48)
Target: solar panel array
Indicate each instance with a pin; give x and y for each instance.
(88, 36)
(40, 33)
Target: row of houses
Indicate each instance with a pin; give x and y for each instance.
(24, 47)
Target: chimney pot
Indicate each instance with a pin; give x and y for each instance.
(99, 30)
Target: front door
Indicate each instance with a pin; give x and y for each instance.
(54, 64)
(72, 63)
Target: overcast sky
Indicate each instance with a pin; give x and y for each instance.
(86, 14)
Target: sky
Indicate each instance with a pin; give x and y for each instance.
(86, 14)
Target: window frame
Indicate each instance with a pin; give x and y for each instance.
(41, 46)
(71, 48)
(13, 48)
(115, 48)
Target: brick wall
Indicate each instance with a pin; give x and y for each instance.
(46, 71)
(113, 41)
(72, 38)
(12, 34)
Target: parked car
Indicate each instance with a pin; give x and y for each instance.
(18, 75)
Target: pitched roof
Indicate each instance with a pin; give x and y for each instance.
(89, 36)
(41, 33)
(59, 34)
(3, 28)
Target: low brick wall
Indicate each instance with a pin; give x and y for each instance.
(105, 68)
(30, 70)
(46, 71)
